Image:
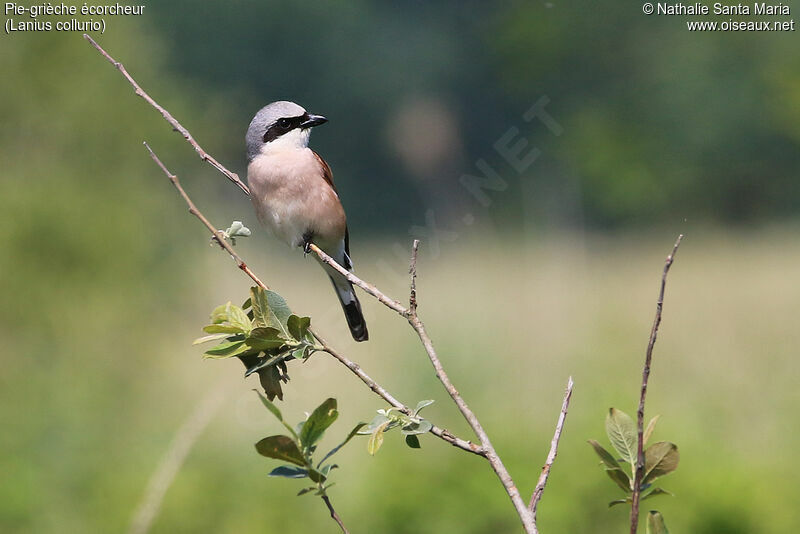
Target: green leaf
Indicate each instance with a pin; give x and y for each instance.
(223, 329)
(413, 428)
(270, 310)
(660, 458)
(237, 317)
(237, 229)
(270, 378)
(289, 471)
(220, 313)
(269, 361)
(352, 433)
(376, 439)
(306, 490)
(206, 339)
(271, 407)
(265, 338)
(377, 421)
(604, 455)
(328, 468)
(621, 432)
(316, 476)
(413, 441)
(656, 492)
(226, 349)
(258, 301)
(620, 477)
(422, 404)
(301, 353)
(316, 424)
(281, 448)
(298, 326)
(651, 426)
(655, 523)
(278, 307)
(619, 501)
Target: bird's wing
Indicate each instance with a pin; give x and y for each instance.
(327, 175)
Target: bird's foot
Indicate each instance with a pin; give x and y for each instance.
(307, 237)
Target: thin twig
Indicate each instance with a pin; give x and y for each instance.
(412, 270)
(551, 456)
(334, 515)
(162, 478)
(637, 479)
(177, 126)
(211, 228)
(366, 286)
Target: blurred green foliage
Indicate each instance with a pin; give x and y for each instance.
(104, 277)
(660, 124)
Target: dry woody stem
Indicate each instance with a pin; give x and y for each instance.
(334, 515)
(637, 479)
(551, 456)
(484, 448)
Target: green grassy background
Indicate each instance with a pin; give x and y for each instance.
(106, 280)
(91, 411)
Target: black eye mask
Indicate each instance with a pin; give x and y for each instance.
(284, 125)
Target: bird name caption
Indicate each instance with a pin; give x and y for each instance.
(38, 17)
(738, 17)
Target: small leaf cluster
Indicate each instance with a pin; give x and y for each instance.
(661, 458)
(411, 426)
(236, 229)
(264, 334)
(300, 445)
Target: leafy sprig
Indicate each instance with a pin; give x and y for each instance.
(264, 334)
(411, 426)
(236, 229)
(661, 458)
(299, 446)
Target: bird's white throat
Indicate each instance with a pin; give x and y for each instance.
(297, 138)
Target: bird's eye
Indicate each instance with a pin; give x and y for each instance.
(283, 123)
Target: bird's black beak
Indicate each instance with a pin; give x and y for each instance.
(312, 120)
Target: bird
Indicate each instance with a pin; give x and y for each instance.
(292, 191)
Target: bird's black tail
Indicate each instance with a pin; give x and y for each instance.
(351, 307)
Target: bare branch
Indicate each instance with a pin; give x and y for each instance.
(334, 515)
(178, 127)
(551, 456)
(369, 288)
(637, 479)
(412, 270)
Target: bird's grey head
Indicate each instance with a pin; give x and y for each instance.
(280, 124)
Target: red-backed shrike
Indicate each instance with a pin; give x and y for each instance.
(292, 191)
